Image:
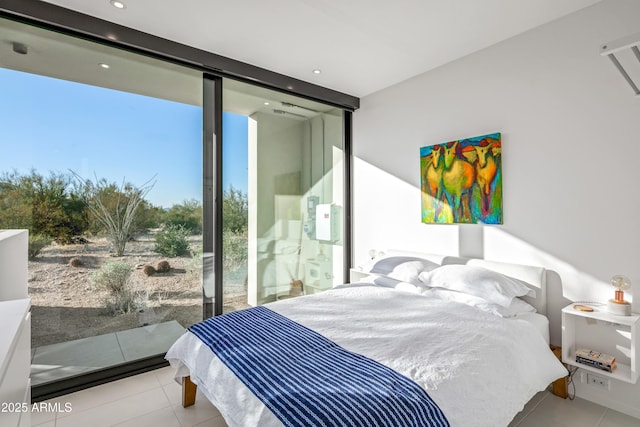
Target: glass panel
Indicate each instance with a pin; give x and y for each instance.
(283, 196)
(102, 162)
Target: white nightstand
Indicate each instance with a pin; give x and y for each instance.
(355, 275)
(607, 333)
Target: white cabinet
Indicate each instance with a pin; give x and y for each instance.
(355, 275)
(15, 335)
(13, 264)
(604, 332)
(15, 363)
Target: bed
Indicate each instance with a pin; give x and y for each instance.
(471, 333)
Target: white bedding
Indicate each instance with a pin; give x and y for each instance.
(479, 368)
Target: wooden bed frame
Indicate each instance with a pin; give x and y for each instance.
(188, 392)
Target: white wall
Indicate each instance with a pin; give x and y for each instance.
(571, 142)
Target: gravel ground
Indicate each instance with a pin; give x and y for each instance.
(66, 305)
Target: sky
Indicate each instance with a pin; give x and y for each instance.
(53, 125)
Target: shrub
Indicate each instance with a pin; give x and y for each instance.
(122, 302)
(163, 266)
(188, 214)
(235, 208)
(36, 243)
(75, 262)
(44, 205)
(234, 249)
(148, 270)
(113, 276)
(172, 241)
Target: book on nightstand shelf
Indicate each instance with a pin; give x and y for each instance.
(596, 359)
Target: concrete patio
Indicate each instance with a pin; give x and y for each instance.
(58, 361)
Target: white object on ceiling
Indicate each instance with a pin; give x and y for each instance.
(625, 55)
(361, 46)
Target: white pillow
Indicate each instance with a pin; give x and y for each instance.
(517, 306)
(384, 281)
(389, 282)
(477, 281)
(403, 268)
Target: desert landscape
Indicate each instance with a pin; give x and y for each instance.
(68, 305)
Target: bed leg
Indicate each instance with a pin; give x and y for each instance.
(188, 392)
(560, 386)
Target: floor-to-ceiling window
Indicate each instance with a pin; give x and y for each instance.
(110, 161)
(283, 182)
(102, 163)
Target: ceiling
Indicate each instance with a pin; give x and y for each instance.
(53, 54)
(361, 46)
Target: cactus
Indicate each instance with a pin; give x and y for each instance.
(75, 262)
(163, 266)
(148, 270)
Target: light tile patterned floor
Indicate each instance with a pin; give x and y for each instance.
(152, 399)
(149, 399)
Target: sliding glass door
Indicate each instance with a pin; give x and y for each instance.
(102, 163)
(283, 196)
(154, 197)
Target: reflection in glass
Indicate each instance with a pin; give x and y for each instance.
(283, 170)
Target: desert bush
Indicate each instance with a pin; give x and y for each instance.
(163, 266)
(113, 276)
(234, 250)
(114, 207)
(147, 217)
(187, 214)
(148, 270)
(75, 262)
(44, 205)
(235, 210)
(172, 241)
(37, 242)
(123, 302)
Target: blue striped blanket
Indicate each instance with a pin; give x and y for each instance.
(307, 380)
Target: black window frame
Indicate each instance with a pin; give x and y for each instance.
(214, 68)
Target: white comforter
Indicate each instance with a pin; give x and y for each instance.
(479, 368)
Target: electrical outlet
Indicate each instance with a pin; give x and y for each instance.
(597, 381)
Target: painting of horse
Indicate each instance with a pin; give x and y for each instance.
(461, 181)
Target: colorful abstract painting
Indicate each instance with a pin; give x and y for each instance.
(461, 181)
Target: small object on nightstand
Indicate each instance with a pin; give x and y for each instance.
(583, 307)
(596, 359)
(618, 305)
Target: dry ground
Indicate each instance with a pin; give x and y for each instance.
(66, 305)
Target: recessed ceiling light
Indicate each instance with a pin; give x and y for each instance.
(317, 71)
(266, 102)
(117, 4)
(103, 65)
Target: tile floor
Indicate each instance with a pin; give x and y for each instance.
(149, 399)
(153, 399)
